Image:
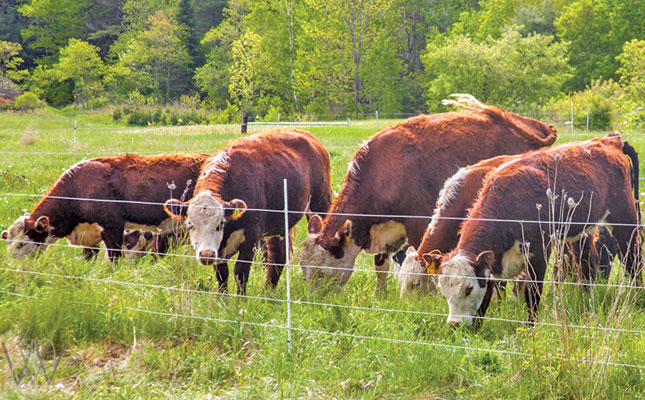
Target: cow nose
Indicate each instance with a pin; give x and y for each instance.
(454, 324)
(207, 257)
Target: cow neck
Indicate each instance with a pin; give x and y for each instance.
(478, 236)
(60, 211)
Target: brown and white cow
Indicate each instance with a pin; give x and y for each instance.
(399, 172)
(456, 197)
(236, 191)
(585, 182)
(113, 192)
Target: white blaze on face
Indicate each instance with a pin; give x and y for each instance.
(205, 221)
(318, 265)
(413, 276)
(18, 244)
(460, 286)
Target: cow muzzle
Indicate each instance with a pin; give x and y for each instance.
(207, 257)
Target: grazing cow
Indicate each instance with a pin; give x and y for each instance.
(456, 197)
(584, 183)
(113, 192)
(399, 172)
(237, 188)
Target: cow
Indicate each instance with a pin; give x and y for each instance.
(397, 174)
(239, 197)
(457, 196)
(112, 192)
(585, 183)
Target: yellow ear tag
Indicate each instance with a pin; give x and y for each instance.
(236, 213)
(347, 239)
(432, 268)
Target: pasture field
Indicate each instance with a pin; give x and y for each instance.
(153, 328)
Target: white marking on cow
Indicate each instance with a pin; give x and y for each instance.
(460, 286)
(319, 266)
(513, 262)
(447, 194)
(413, 276)
(353, 168)
(205, 216)
(18, 244)
(385, 237)
(233, 243)
(216, 164)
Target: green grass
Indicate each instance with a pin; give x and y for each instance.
(126, 341)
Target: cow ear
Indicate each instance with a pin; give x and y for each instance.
(315, 224)
(486, 258)
(5, 235)
(433, 261)
(42, 224)
(234, 209)
(343, 234)
(176, 209)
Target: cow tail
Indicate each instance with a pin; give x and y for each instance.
(633, 172)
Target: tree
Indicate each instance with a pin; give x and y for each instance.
(243, 77)
(80, 62)
(597, 30)
(52, 24)
(505, 72)
(9, 61)
(632, 70)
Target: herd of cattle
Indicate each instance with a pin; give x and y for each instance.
(472, 171)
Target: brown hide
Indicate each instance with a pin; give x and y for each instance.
(595, 172)
(121, 179)
(400, 170)
(254, 171)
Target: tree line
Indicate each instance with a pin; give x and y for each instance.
(312, 59)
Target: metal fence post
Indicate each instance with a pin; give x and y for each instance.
(587, 129)
(287, 262)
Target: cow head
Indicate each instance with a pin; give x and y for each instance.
(204, 217)
(328, 258)
(137, 243)
(28, 237)
(414, 274)
(462, 286)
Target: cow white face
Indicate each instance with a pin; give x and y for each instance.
(320, 265)
(205, 219)
(413, 275)
(20, 244)
(461, 287)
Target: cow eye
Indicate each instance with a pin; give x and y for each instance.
(469, 289)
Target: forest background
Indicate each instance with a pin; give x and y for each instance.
(145, 60)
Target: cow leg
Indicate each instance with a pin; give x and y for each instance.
(588, 262)
(89, 253)
(382, 266)
(113, 239)
(629, 248)
(221, 273)
(533, 289)
(490, 288)
(276, 257)
(243, 265)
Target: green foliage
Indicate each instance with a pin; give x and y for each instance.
(53, 23)
(632, 69)
(505, 72)
(80, 63)
(26, 101)
(46, 84)
(173, 116)
(10, 61)
(597, 31)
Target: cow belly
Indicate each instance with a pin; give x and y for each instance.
(512, 262)
(386, 238)
(167, 225)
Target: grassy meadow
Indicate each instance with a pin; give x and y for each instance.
(153, 328)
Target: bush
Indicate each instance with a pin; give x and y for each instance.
(26, 101)
(117, 115)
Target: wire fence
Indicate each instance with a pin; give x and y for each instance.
(298, 301)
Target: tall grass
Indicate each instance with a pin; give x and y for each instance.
(127, 341)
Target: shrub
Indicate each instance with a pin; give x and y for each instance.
(26, 101)
(117, 115)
